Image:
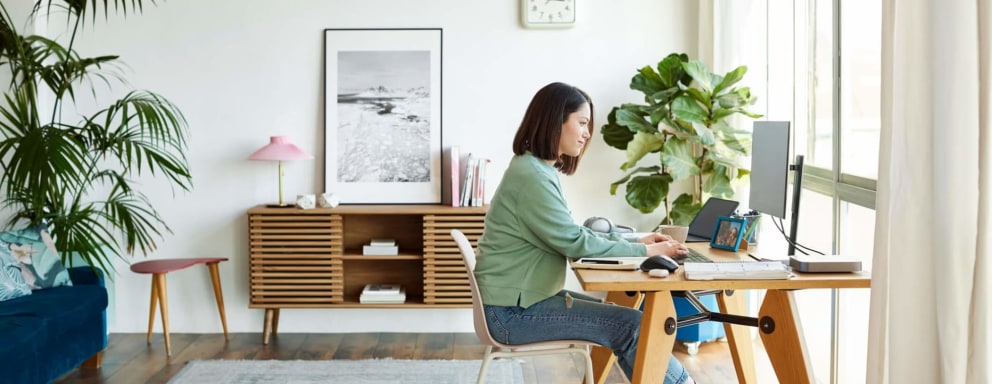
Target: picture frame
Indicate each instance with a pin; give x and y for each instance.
(382, 115)
(728, 233)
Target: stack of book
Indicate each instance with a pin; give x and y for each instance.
(381, 247)
(382, 294)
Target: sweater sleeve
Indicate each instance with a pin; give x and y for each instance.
(545, 214)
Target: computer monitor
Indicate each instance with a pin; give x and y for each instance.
(769, 167)
(770, 174)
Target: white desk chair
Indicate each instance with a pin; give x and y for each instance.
(495, 349)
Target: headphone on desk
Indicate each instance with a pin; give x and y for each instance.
(604, 225)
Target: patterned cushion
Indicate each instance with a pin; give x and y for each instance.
(34, 250)
(12, 283)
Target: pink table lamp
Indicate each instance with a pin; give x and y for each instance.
(280, 149)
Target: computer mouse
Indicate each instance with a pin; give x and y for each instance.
(659, 262)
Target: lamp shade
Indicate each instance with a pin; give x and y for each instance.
(280, 148)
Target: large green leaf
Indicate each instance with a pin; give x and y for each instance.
(730, 79)
(683, 210)
(670, 70)
(633, 120)
(718, 184)
(649, 170)
(642, 144)
(700, 74)
(646, 192)
(677, 156)
(686, 108)
(704, 135)
(616, 136)
(647, 81)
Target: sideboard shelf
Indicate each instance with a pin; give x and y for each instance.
(312, 258)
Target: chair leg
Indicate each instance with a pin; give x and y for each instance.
(590, 378)
(215, 278)
(486, 359)
(164, 304)
(151, 310)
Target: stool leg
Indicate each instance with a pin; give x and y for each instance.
(215, 278)
(151, 310)
(164, 304)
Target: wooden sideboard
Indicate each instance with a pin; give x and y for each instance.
(313, 258)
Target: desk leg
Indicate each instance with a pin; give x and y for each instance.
(603, 358)
(781, 333)
(654, 346)
(739, 336)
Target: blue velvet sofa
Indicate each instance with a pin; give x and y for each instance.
(52, 331)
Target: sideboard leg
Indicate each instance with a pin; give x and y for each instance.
(267, 328)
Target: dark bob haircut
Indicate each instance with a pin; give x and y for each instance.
(540, 130)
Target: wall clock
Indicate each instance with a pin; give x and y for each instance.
(547, 13)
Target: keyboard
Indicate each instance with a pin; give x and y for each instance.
(694, 257)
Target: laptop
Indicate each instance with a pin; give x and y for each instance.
(701, 227)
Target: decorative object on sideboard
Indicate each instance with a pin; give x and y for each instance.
(382, 113)
(280, 149)
(306, 201)
(328, 200)
(381, 247)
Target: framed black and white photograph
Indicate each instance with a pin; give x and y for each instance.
(382, 111)
(728, 233)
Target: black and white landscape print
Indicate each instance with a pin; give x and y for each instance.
(383, 115)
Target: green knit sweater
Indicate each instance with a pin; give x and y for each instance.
(530, 234)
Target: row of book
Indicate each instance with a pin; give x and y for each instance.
(382, 294)
(465, 182)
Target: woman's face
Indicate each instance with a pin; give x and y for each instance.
(575, 132)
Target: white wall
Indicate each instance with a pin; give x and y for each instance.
(242, 70)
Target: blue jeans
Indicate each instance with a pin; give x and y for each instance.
(572, 315)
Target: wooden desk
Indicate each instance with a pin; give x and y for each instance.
(778, 319)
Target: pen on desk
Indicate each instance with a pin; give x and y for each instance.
(753, 257)
(594, 261)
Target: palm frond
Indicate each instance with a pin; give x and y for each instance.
(75, 178)
(146, 132)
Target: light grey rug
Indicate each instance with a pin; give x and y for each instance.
(379, 371)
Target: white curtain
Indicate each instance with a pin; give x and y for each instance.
(930, 295)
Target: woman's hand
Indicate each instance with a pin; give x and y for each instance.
(667, 248)
(654, 237)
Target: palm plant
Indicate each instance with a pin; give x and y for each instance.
(74, 171)
(685, 126)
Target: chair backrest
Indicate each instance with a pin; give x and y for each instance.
(478, 311)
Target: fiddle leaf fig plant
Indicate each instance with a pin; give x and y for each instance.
(684, 131)
(74, 170)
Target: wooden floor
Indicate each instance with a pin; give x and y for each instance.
(129, 359)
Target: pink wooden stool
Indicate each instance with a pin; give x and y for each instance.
(158, 269)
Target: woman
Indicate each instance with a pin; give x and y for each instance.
(529, 235)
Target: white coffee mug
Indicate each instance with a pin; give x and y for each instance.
(677, 232)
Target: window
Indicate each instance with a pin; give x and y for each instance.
(817, 64)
